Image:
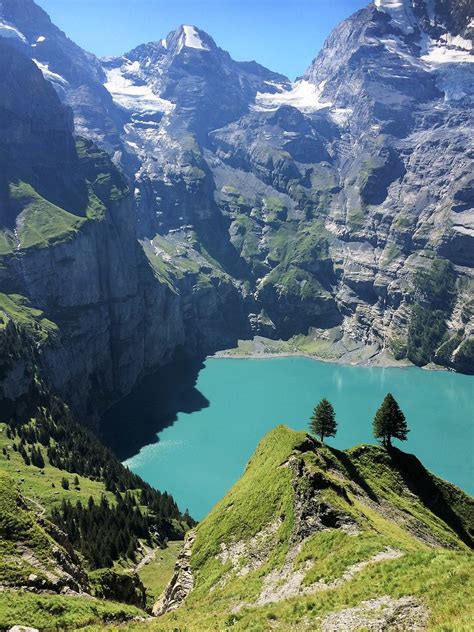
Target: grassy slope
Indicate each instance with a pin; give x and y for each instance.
(40, 223)
(156, 574)
(18, 308)
(43, 486)
(362, 482)
(20, 530)
(34, 487)
(60, 612)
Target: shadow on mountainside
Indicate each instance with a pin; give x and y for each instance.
(152, 406)
(443, 499)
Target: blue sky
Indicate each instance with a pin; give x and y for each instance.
(283, 35)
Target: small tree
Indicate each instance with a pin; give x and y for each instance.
(389, 422)
(323, 421)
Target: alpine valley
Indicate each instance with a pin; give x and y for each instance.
(175, 201)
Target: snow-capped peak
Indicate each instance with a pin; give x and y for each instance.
(191, 38)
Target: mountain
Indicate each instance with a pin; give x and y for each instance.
(322, 206)
(311, 538)
(70, 258)
(174, 197)
(68, 247)
(313, 197)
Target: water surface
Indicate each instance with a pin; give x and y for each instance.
(219, 413)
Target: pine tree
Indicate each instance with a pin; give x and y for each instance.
(323, 421)
(389, 422)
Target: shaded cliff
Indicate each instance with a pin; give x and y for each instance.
(69, 249)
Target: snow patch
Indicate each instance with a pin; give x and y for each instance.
(192, 39)
(280, 87)
(340, 116)
(448, 49)
(49, 74)
(444, 55)
(134, 67)
(40, 39)
(401, 14)
(6, 30)
(457, 41)
(395, 46)
(133, 97)
(304, 96)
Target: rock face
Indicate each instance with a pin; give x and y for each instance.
(181, 584)
(379, 614)
(261, 206)
(76, 75)
(324, 197)
(71, 251)
(69, 248)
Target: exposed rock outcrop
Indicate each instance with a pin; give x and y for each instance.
(182, 582)
(384, 613)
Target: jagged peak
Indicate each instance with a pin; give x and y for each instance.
(186, 37)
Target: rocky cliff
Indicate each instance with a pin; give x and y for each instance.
(325, 202)
(69, 250)
(70, 256)
(341, 201)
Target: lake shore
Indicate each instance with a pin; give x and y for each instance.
(329, 347)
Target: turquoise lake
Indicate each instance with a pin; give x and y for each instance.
(219, 418)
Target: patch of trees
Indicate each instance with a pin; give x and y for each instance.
(104, 532)
(432, 303)
(44, 426)
(389, 421)
(74, 449)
